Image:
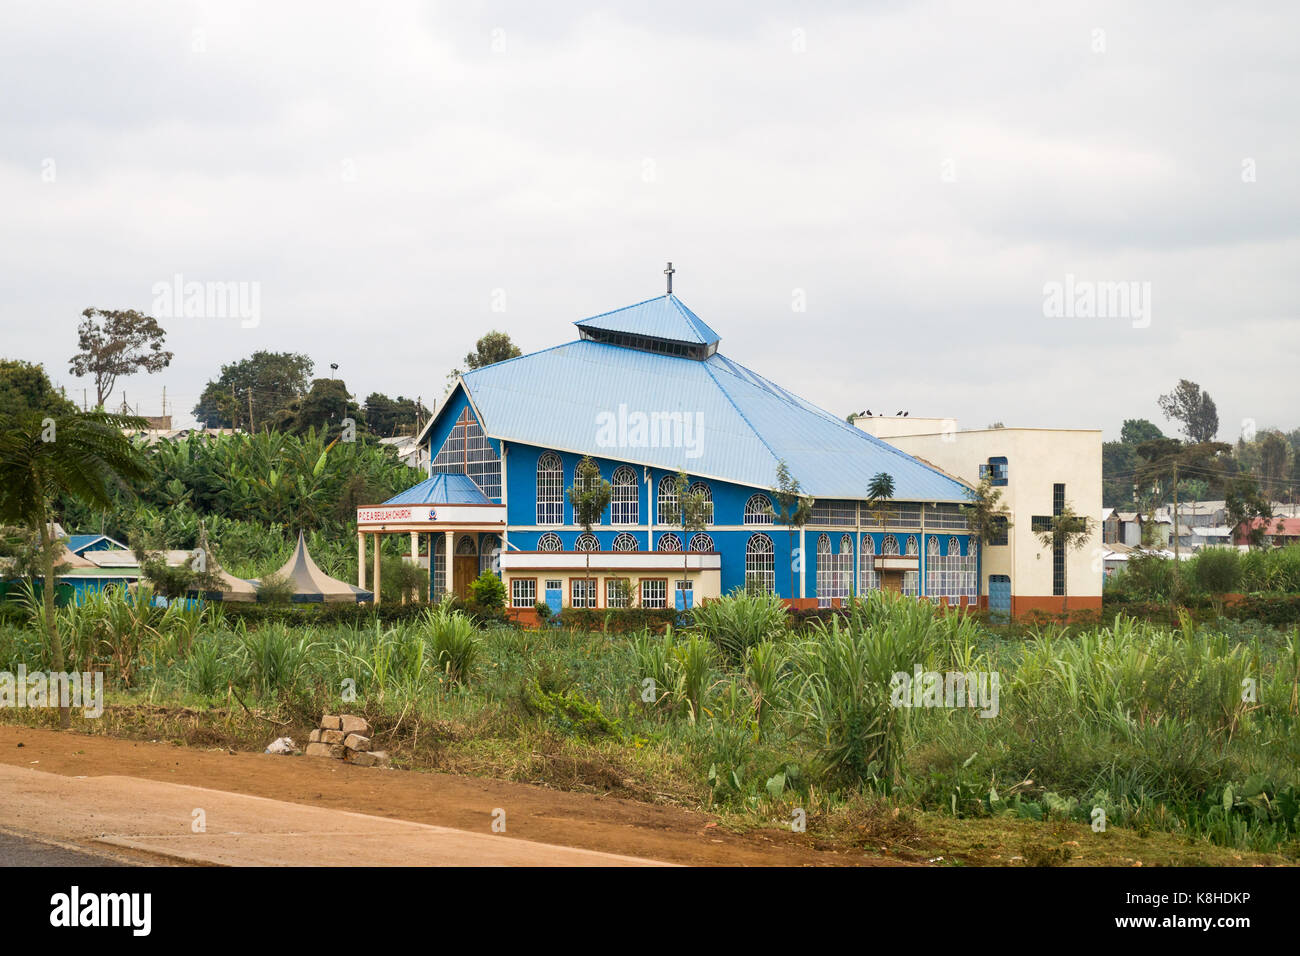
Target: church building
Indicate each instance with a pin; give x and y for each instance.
(646, 392)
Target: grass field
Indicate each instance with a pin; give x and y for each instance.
(1183, 741)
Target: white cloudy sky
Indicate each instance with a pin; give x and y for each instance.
(381, 169)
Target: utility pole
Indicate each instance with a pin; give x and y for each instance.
(1176, 549)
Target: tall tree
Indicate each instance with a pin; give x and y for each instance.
(1068, 531)
(793, 509)
(389, 417)
(253, 390)
(1248, 510)
(690, 511)
(987, 517)
(589, 495)
(78, 455)
(1137, 430)
(25, 387)
(491, 348)
(117, 344)
(1193, 409)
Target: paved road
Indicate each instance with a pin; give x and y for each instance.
(177, 823)
(18, 850)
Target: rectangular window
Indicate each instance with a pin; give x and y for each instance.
(835, 513)
(617, 591)
(995, 471)
(654, 592)
(1058, 552)
(523, 592)
(1000, 532)
(583, 592)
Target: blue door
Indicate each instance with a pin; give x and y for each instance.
(555, 596)
(685, 595)
(999, 594)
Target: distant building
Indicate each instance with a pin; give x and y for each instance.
(1038, 470)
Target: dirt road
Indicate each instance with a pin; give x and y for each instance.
(117, 773)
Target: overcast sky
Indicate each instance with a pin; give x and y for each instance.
(398, 178)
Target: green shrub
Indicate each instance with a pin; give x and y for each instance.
(740, 620)
(453, 640)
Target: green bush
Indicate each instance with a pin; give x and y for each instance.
(740, 620)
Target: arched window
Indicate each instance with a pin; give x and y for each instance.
(706, 494)
(701, 542)
(825, 570)
(760, 564)
(550, 489)
(868, 580)
(668, 542)
(844, 565)
(758, 510)
(969, 570)
(439, 559)
(550, 542)
(466, 546)
(625, 542)
(624, 499)
(666, 513)
(586, 542)
(489, 556)
(889, 545)
(934, 576)
(912, 579)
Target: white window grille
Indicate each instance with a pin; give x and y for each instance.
(835, 513)
(624, 497)
(586, 542)
(868, 580)
(889, 545)
(550, 542)
(706, 493)
(667, 509)
(550, 489)
(654, 593)
(758, 510)
(467, 451)
(701, 542)
(668, 542)
(617, 592)
(760, 564)
(489, 556)
(625, 542)
(912, 579)
(523, 592)
(825, 570)
(584, 592)
(466, 546)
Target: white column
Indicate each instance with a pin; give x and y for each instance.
(415, 560)
(803, 567)
(378, 539)
(361, 560)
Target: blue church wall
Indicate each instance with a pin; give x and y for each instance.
(729, 501)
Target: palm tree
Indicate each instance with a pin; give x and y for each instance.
(880, 490)
(77, 455)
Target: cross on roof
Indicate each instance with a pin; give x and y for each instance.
(669, 273)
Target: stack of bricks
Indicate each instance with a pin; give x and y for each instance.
(345, 738)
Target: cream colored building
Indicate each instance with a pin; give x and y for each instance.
(1037, 470)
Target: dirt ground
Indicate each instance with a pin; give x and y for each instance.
(585, 821)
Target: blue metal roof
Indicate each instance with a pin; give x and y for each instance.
(79, 542)
(737, 425)
(663, 318)
(442, 490)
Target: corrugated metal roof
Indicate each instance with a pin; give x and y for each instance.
(442, 490)
(559, 398)
(663, 318)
